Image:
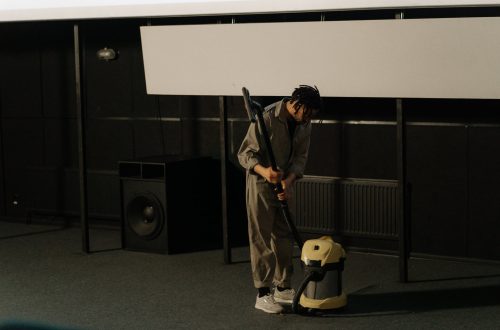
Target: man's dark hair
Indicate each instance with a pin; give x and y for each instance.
(308, 97)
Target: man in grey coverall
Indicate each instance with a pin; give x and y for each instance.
(289, 125)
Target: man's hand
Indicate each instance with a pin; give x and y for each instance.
(268, 173)
(287, 185)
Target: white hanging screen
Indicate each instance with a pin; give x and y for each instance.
(30, 10)
(427, 58)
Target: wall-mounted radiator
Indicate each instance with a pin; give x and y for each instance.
(352, 207)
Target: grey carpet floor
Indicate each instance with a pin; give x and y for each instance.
(45, 279)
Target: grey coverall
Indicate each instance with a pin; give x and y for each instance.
(271, 244)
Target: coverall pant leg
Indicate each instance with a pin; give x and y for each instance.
(271, 245)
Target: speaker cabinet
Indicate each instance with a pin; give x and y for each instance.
(171, 204)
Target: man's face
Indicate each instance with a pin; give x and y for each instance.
(299, 115)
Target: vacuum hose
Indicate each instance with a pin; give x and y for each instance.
(302, 287)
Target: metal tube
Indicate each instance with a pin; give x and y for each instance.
(223, 178)
(402, 183)
(81, 142)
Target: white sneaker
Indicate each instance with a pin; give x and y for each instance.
(268, 304)
(285, 296)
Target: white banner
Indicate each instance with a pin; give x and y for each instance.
(417, 58)
(29, 10)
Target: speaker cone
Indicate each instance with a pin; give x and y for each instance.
(145, 216)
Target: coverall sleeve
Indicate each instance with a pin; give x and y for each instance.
(301, 151)
(249, 152)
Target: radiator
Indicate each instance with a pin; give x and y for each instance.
(353, 207)
(313, 204)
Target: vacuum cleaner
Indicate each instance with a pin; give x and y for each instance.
(323, 262)
(322, 259)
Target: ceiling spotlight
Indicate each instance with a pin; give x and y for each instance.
(107, 54)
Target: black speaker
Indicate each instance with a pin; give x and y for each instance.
(171, 204)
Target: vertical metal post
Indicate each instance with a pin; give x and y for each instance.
(3, 201)
(223, 171)
(404, 226)
(223, 176)
(402, 191)
(81, 142)
(467, 196)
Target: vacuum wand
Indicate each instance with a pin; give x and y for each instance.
(254, 111)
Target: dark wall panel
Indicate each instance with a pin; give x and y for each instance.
(148, 138)
(153, 138)
(357, 109)
(369, 151)
(112, 87)
(24, 142)
(325, 150)
(19, 192)
(484, 192)
(61, 143)
(200, 138)
(37, 103)
(143, 104)
(109, 90)
(199, 106)
(3, 197)
(32, 190)
(170, 106)
(20, 68)
(108, 141)
(53, 190)
(172, 138)
(104, 196)
(438, 175)
(57, 63)
(236, 107)
(21, 111)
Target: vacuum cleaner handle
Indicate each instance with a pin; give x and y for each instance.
(254, 111)
(249, 105)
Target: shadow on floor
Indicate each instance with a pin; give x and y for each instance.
(407, 302)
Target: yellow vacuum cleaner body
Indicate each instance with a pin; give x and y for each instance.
(323, 261)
